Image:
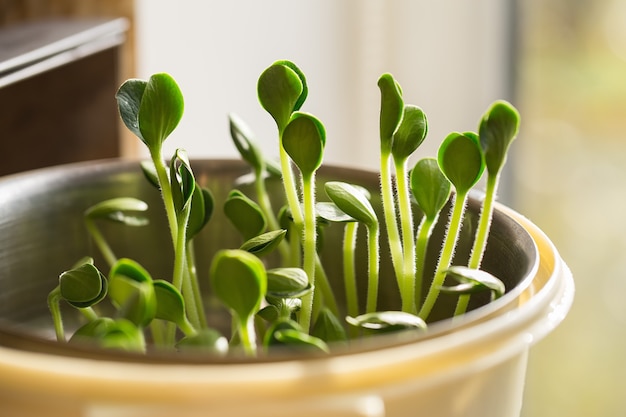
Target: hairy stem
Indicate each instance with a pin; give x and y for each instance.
(309, 245)
(447, 252)
(407, 287)
(421, 246)
(482, 233)
(373, 268)
(389, 208)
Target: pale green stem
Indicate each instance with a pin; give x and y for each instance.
(195, 285)
(100, 242)
(53, 304)
(407, 287)
(158, 328)
(323, 285)
(88, 313)
(389, 208)
(309, 246)
(349, 272)
(290, 187)
(421, 245)
(373, 268)
(178, 276)
(247, 336)
(447, 252)
(480, 241)
(166, 192)
(187, 328)
(181, 279)
(295, 244)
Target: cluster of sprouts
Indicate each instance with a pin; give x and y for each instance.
(290, 303)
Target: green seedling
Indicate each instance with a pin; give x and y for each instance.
(231, 271)
(431, 190)
(497, 129)
(461, 161)
(391, 109)
(352, 201)
(303, 140)
(409, 135)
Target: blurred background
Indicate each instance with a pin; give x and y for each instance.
(561, 62)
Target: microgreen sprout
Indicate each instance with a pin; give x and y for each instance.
(287, 301)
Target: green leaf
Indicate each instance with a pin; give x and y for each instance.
(160, 110)
(391, 108)
(245, 143)
(202, 205)
(330, 212)
(301, 340)
(328, 327)
(461, 160)
(169, 302)
(83, 286)
(387, 321)
(287, 283)
(239, 280)
(410, 133)
(128, 98)
(473, 281)
(245, 215)
(498, 128)
(111, 334)
(131, 269)
(132, 292)
(205, 341)
(304, 139)
(123, 335)
(93, 330)
(182, 180)
(279, 90)
(429, 186)
(352, 201)
(117, 210)
(305, 89)
(264, 243)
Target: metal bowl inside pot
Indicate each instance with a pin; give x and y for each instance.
(42, 234)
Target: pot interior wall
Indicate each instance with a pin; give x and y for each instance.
(42, 234)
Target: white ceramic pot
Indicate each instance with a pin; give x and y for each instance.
(473, 367)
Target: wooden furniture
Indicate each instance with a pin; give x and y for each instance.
(57, 84)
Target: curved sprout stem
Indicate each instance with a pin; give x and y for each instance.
(100, 242)
(55, 310)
